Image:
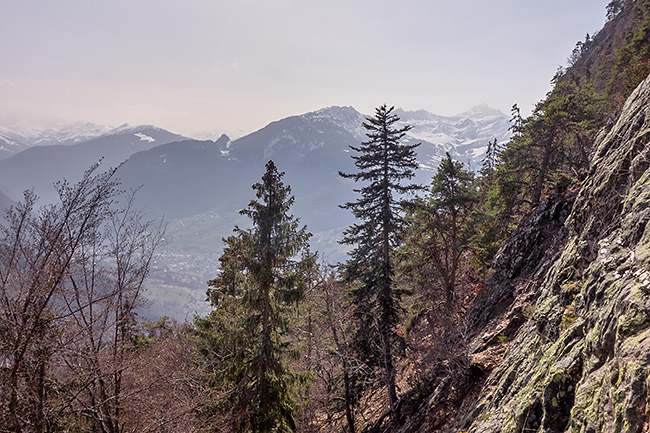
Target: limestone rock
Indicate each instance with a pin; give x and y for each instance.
(580, 361)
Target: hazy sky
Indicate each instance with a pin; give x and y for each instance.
(229, 65)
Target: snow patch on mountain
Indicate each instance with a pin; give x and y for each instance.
(130, 129)
(465, 136)
(9, 142)
(144, 137)
(70, 134)
(347, 118)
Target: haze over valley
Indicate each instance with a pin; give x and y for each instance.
(213, 218)
(199, 186)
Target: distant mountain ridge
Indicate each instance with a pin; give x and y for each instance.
(39, 167)
(182, 179)
(15, 140)
(199, 186)
(72, 134)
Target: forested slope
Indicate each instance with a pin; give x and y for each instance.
(515, 299)
(558, 339)
(579, 359)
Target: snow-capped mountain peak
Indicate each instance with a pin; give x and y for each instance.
(70, 134)
(465, 136)
(345, 117)
(482, 111)
(333, 129)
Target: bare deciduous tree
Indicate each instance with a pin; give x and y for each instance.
(71, 277)
(37, 253)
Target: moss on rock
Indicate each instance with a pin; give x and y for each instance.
(582, 363)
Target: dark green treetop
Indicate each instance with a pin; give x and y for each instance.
(263, 270)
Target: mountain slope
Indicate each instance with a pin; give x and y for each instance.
(40, 166)
(191, 177)
(183, 178)
(311, 148)
(561, 336)
(9, 146)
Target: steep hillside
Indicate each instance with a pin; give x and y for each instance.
(617, 58)
(561, 335)
(585, 348)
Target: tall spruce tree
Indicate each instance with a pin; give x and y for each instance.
(383, 164)
(264, 270)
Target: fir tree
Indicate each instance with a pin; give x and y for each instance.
(490, 161)
(516, 121)
(383, 164)
(442, 228)
(264, 270)
(614, 7)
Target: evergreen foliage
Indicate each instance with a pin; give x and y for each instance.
(490, 161)
(632, 62)
(383, 164)
(547, 150)
(614, 7)
(442, 229)
(263, 271)
(550, 149)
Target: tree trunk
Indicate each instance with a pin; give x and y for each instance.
(349, 415)
(386, 292)
(41, 395)
(13, 399)
(537, 193)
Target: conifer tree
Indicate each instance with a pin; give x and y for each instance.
(615, 7)
(490, 161)
(263, 270)
(516, 121)
(442, 228)
(383, 164)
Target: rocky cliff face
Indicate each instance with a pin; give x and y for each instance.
(581, 360)
(561, 336)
